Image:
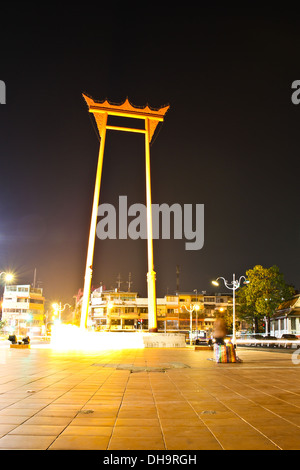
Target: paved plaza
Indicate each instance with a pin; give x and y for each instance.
(148, 399)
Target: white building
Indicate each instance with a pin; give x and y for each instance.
(23, 309)
(286, 319)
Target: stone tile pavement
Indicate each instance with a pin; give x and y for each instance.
(148, 399)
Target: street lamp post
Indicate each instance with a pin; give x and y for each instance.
(190, 310)
(196, 290)
(233, 285)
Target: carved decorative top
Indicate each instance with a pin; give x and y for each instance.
(125, 109)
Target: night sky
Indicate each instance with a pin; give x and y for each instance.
(230, 141)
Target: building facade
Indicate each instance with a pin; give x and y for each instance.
(286, 319)
(23, 309)
(119, 310)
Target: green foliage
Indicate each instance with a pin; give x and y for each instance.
(264, 293)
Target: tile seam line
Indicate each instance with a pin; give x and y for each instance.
(266, 409)
(267, 394)
(240, 417)
(24, 422)
(48, 448)
(277, 387)
(64, 368)
(157, 411)
(28, 418)
(215, 437)
(249, 424)
(52, 402)
(280, 380)
(114, 425)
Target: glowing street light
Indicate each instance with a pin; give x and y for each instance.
(8, 276)
(193, 307)
(58, 309)
(233, 285)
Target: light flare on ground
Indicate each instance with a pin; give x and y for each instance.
(71, 337)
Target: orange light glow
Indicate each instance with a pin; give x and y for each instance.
(70, 337)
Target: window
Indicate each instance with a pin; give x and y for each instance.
(115, 311)
(171, 298)
(36, 301)
(11, 289)
(36, 291)
(129, 310)
(23, 289)
(208, 311)
(172, 324)
(143, 310)
(161, 312)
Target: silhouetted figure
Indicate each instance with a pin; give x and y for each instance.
(220, 331)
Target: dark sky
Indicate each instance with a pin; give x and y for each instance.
(230, 140)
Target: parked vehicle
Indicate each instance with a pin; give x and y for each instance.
(203, 338)
(254, 340)
(260, 340)
(272, 343)
(289, 340)
(269, 341)
(289, 336)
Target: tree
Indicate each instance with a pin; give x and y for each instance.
(244, 310)
(263, 294)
